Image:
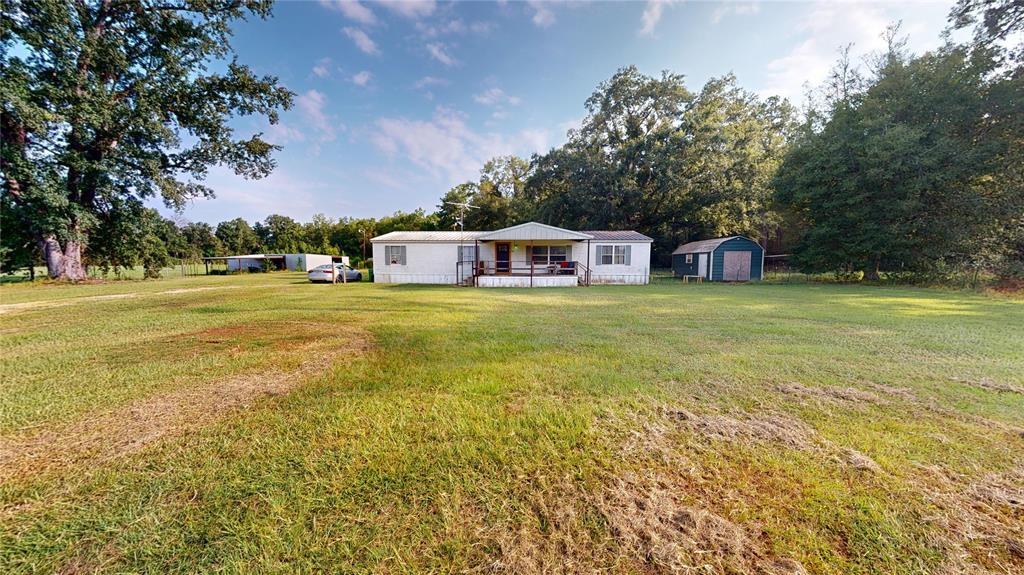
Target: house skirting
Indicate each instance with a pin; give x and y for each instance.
(525, 281)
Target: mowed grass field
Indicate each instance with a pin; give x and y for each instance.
(262, 424)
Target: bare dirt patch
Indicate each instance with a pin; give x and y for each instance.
(119, 432)
(230, 340)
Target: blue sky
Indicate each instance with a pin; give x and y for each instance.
(398, 101)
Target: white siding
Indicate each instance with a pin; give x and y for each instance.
(313, 260)
(637, 272)
(425, 263)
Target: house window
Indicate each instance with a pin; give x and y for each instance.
(613, 255)
(467, 253)
(543, 255)
(394, 255)
(689, 258)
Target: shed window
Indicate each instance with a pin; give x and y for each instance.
(613, 255)
(394, 255)
(689, 258)
(544, 255)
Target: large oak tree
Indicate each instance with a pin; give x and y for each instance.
(107, 102)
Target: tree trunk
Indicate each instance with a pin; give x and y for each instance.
(63, 264)
(871, 272)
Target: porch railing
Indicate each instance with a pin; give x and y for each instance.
(468, 271)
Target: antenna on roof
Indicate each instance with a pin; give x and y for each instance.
(461, 218)
(461, 221)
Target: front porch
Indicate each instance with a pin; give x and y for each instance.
(528, 255)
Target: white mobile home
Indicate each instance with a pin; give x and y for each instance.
(527, 255)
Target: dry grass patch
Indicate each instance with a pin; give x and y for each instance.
(904, 393)
(859, 461)
(667, 535)
(981, 519)
(847, 394)
(561, 533)
(45, 304)
(108, 435)
(991, 385)
(766, 428)
(53, 303)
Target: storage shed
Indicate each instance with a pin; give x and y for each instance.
(730, 259)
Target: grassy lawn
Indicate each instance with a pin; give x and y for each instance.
(258, 423)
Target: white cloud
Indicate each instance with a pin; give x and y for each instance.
(446, 147)
(414, 9)
(454, 27)
(281, 134)
(496, 96)
(352, 10)
(362, 78)
(568, 126)
(385, 178)
(312, 106)
(543, 16)
(322, 69)
(279, 193)
(428, 81)
(362, 40)
(819, 35)
(535, 140)
(735, 8)
(652, 15)
(440, 53)
(482, 28)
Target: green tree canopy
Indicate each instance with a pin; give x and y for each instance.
(909, 170)
(108, 102)
(237, 237)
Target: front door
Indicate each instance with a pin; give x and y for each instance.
(736, 267)
(702, 265)
(502, 257)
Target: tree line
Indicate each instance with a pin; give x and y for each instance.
(912, 166)
(150, 241)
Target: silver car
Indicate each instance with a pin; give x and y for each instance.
(342, 273)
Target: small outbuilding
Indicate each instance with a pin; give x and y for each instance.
(266, 262)
(731, 259)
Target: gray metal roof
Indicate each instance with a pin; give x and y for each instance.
(703, 246)
(431, 236)
(527, 231)
(247, 257)
(618, 235)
